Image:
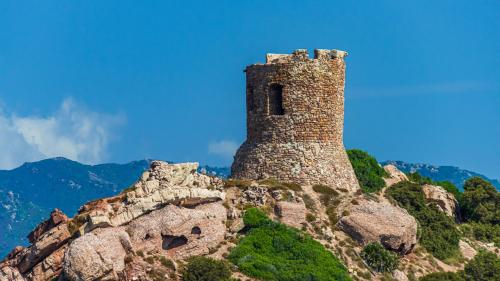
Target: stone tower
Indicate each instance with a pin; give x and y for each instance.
(295, 119)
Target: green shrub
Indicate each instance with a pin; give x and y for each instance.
(167, 263)
(443, 276)
(480, 201)
(255, 217)
(439, 234)
(272, 251)
(379, 259)
(369, 173)
(485, 266)
(206, 269)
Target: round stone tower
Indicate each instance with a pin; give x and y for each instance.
(295, 119)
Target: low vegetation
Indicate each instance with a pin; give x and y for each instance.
(206, 269)
(380, 259)
(368, 171)
(273, 251)
(439, 233)
(275, 184)
(330, 199)
(484, 267)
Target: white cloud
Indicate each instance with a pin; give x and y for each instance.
(73, 132)
(224, 148)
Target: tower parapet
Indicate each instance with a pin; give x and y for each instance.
(295, 119)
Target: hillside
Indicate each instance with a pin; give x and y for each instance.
(441, 173)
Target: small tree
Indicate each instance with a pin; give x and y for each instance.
(485, 266)
(206, 269)
(378, 258)
(369, 173)
(480, 201)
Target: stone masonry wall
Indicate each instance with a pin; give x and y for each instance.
(302, 141)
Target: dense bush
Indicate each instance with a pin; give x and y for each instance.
(273, 251)
(485, 266)
(206, 269)
(379, 259)
(480, 201)
(439, 234)
(369, 173)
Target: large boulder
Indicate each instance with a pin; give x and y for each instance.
(444, 200)
(99, 255)
(179, 232)
(371, 221)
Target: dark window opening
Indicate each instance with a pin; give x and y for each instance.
(147, 236)
(170, 241)
(250, 99)
(275, 100)
(196, 230)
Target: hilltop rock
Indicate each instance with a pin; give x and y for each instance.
(444, 200)
(395, 175)
(163, 184)
(371, 221)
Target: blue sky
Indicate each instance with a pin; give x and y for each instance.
(100, 81)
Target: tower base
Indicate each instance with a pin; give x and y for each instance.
(305, 163)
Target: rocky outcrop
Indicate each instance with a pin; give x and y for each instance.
(46, 245)
(9, 273)
(56, 217)
(444, 200)
(49, 268)
(171, 210)
(395, 175)
(161, 185)
(371, 221)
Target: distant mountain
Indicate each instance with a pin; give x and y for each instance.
(29, 192)
(441, 173)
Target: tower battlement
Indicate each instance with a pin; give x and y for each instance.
(295, 119)
(303, 55)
